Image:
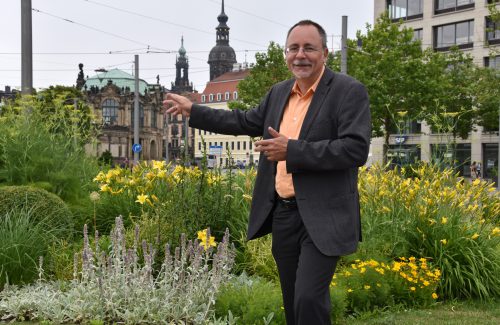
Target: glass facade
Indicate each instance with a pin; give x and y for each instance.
(460, 34)
(442, 6)
(492, 31)
(490, 161)
(404, 9)
(456, 156)
(403, 154)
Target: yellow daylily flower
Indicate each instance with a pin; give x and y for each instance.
(141, 198)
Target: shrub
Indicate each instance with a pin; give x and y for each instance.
(117, 288)
(252, 300)
(371, 285)
(187, 199)
(439, 216)
(257, 258)
(34, 149)
(44, 208)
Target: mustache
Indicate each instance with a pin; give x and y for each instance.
(301, 62)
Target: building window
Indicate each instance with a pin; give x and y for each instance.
(492, 62)
(235, 95)
(250, 145)
(211, 97)
(244, 145)
(141, 116)
(418, 34)
(492, 31)
(154, 118)
(203, 98)
(232, 145)
(238, 145)
(219, 97)
(110, 112)
(199, 146)
(227, 95)
(460, 34)
(405, 9)
(442, 6)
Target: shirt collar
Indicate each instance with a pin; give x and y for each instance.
(312, 89)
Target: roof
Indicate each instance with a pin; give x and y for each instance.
(120, 79)
(227, 82)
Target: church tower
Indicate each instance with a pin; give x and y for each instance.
(222, 56)
(182, 84)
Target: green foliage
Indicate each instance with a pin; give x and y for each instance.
(186, 199)
(251, 299)
(439, 216)
(38, 149)
(270, 68)
(257, 258)
(116, 288)
(24, 238)
(44, 208)
(391, 66)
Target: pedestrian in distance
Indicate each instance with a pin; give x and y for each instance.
(315, 131)
(473, 170)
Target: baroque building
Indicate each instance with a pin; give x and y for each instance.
(111, 94)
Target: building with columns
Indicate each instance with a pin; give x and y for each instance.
(111, 94)
(441, 24)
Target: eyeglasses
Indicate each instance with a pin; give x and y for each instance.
(305, 50)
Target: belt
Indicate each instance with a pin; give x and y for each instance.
(289, 202)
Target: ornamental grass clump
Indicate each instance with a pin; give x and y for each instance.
(124, 287)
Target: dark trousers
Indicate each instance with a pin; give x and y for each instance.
(305, 273)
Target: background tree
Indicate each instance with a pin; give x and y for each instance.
(269, 69)
(453, 77)
(391, 65)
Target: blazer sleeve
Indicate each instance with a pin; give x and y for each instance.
(348, 147)
(232, 122)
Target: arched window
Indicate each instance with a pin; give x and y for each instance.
(141, 115)
(219, 97)
(211, 97)
(110, 112)
(203, 98)
(235, 95)
(226, 95)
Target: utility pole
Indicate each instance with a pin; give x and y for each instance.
(343, 53)
(26, 49)
(166, 137)
(136, 108)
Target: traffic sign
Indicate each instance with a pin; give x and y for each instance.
(215, 150)
(136, 148)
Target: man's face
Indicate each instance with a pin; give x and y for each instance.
(305, 55)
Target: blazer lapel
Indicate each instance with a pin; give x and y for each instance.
(316, 103)
(282, 102)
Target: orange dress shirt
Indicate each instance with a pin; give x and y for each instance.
(290, 126)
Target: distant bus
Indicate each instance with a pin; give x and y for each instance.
(211, 161)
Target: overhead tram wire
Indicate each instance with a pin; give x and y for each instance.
(253, 15)
(166, 21)
(96, 29)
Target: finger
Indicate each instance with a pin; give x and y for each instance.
(273, 132)
(263, 142)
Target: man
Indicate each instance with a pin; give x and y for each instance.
(316, 133)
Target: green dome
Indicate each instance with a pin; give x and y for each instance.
(120, 78)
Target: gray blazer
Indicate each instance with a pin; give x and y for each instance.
(334, 141)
